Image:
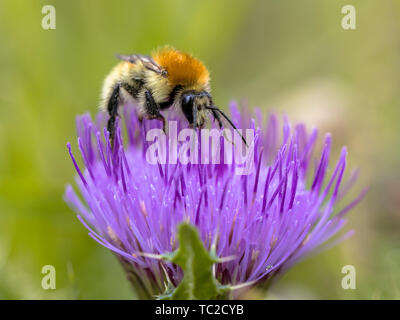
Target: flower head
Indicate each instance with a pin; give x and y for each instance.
(266, 221)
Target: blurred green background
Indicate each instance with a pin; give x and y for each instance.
(289, 56)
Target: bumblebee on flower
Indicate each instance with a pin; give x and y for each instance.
(170, 78)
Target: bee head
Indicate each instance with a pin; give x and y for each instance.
(194, 107)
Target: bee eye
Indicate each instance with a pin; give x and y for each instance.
(187, 99)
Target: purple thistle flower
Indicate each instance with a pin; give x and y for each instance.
(267, 220)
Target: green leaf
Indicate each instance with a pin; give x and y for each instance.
(196, 262)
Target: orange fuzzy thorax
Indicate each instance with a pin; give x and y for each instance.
(182, 68)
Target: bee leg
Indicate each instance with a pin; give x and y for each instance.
(153, 110)
(217, 117)
(112, 109)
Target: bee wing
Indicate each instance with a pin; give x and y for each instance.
(147, 61)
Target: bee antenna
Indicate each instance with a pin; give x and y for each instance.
(214, 108)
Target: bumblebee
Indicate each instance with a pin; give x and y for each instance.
(169, 78)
